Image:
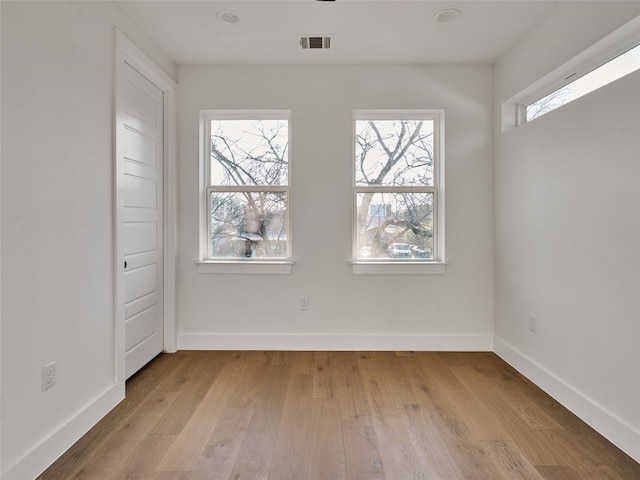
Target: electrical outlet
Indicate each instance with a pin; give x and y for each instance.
(533, 323)
(304, 304)
(48, 376)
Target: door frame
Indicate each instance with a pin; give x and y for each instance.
(127, 52)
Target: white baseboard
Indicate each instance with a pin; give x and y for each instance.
(609, 425)
(336, 342)
(50, 448)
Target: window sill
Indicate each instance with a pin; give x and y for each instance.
(246, 267)
(398, 268)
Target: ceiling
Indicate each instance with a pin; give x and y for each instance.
(362, 31)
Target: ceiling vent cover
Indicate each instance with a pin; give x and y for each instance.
(321, 42)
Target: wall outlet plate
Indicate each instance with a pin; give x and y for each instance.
(304, 304)
(48, 376)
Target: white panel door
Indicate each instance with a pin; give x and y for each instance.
(142, 190)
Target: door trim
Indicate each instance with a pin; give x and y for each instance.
(127, 52)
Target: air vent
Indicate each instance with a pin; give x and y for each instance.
(322, 42)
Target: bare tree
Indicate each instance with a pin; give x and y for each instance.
(390, 154)
(248, 212)
(550, 102)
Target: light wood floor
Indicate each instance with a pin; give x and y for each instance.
(338, 415)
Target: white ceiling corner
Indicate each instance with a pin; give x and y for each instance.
(363, 31)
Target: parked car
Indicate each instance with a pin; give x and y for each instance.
(399, 250)
(419, 252)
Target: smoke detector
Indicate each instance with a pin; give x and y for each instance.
(447, 15)
(320, 42)
(229, 17)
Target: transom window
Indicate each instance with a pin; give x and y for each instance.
(579, 86)
(397, 186)
(247, 190)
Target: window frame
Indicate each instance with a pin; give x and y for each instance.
(435, 265)
(254, 265)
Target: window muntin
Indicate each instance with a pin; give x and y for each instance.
(396, 186)
(247, 194)
(607, 73)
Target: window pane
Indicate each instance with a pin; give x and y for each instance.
(547, 104)
(249, 224)
(395, 225)
(249, 152)
(394, 152)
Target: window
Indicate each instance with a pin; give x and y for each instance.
(617, 68)
(398, 179)
(246, 187)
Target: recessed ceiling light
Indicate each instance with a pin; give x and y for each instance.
(229, 17)
(447, 15)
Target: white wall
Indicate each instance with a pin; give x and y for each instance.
(0, 248)
(346, 310)
(57, 224)
(567, 238)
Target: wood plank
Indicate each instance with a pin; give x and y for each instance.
(192, 381)
(293, 444)
(169, 476)
(513, 409)
(142, 460)
(220, 454)
(401, 461)
(251, 385)
(250, 468)
(192, 440)
(324, 381)
(514, 390)
(352, 397)
(393, 366)
(338, 416)
(256, 452)
(327, 454)
(387, 422)
(432, 451)
(361, 450)
(510, 462)
(458, 408)
(521, 419)
(557, 472)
